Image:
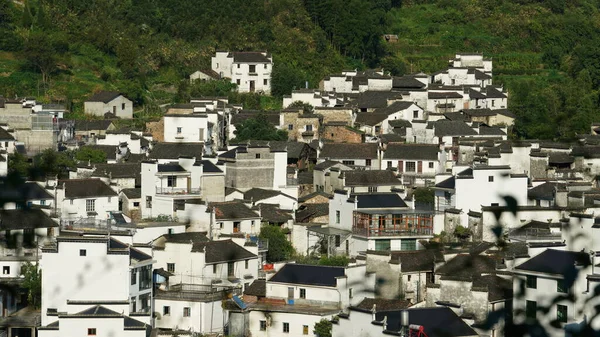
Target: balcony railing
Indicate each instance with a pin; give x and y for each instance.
(198, 292)
(378, 225)
(392, 231)
(177, 190)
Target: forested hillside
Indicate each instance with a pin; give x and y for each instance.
(547, 53)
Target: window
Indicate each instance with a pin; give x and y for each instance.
(530, 309)
(71, 201)
(561, 313)
(252, 68)
(220, 224)
(171, 267)
(148, 201)
(257, 156)
(186, 312)
(252, 223)
(350, 293)
(246, 263)
(302, 293)
(179, 129)
(305, 329)
(382, 245)
(90, 205)
(109, 199)
(266, 66)
(91, 331)
(171, 181)
(338, 240)
(263, 325)
(372, 189)
(136, 204)
(309, 127)
(561, 287)
(265, 82)
(408, 244)
(145, 302)
(230, 269)
(491, 179)
(493, 102)
(411, 166)
(5, 270)
(133, 276)
(409, 277)
(145, 277)
(214, 268)
(133, 304)
(367, 162)
(122, 106)
(531, 282)
(348, 162)
(82, 252)
(286, 327)
(337, 217)
(42, 202)
(389, 164)
(166, 310)
(238, 82)
(238, 65)
(290, 126)
(416, 114)
(430, 164)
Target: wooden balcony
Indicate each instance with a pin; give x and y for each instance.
(392, 224)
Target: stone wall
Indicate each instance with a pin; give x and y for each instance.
(157, 129)
(336, 115)
(248, 171)
(341, 134)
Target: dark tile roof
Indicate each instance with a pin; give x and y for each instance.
(176, 150)
(256, 194)
(370, 118)
(400, 123)
(447, 184)
(5, 136)
(375, 99)
(257, 288)
(370, 177)
(412, 151)
(307, 212)
(383, 304)
(132, 193)
(305, 178)
(170, 167)
(586, 151)
(407, 82)
(505, 112)
(394, 107)
(452, 128)
(443, 95)
(23, 192)
(209, 167)
(379, 200)
(250, 57)
(232, 210)
(545, 191)
(349, 150)
(272, 214)
(560, 158)
(186, 237)
(98, 310)
(456, 116)
(474, 94)
(485, 130)
(498, 288)
(272, 118)
(412, 261)
(222, 251)
(492, 92)
(103, 96)
(468, 266)
(479, 112)
(85, 188)
(25, 219)
(120, 170)
(312, 195)
(309, 275)
(556, 262)
(325, 165)
(437, 322)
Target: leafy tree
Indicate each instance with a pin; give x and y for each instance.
(424, 195)
(280, 249)
(18, 164)
(341, 261)
(42, 51)
(462, 233)
(258, 128)
(32, 281)
(52, 163)
(87, 154)
(286, 78)
(323, 328)
(306, 108)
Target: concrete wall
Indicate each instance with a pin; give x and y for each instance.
(120, 106)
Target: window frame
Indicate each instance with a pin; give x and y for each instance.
(561, 287)
(90, 205)
(187, 312)
(531, 282)
(91, 332)
(286, 327)
(303, 293)
(166, 310)
(530, 305)
(171, 267)
(82, 252)
(411, 166)
(133, 276)
(562, 313)
(262, 325)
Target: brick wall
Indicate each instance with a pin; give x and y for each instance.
(340, 134)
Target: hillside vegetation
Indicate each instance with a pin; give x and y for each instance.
(546, 52)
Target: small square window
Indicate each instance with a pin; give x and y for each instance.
(337, 217)
(266, 65)
(136, 204)
(431, 165)
(171, 267)
(305, 329)
(290, 127)
(166, 310)
(531, 282)
(367, 162)
(91, 331)
(258, 156)
(531, 309)
(179, 129)
(286, 327)
(491, 179)
(5, 270)
(309, 127)
(186, 312)
(302, 293)
(416, 114)
(238, 82)
(71, 201)
(263, 325)
(238, 65)
(82, 252)
(389, 164)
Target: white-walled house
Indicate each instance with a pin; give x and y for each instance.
(416, 164)
(250, 71)
(365, 155)
(111, 102)
(85, 272)
(87, 200)
(188, 128)
(302, 295)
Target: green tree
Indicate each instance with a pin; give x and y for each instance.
(52, 163)
(306, 108)
(462, 233)
(286, 78)
(32, 281)
(341, 261)
(424, 195)
(280, 249)
(42, 51)
(258, 128)
(323, 328)
(18, 164)
(87, 154)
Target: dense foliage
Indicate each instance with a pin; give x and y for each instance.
(258, 128)
(87, 154)
(546, 53)
(32, 282)
(280, 249)
(48, 163)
